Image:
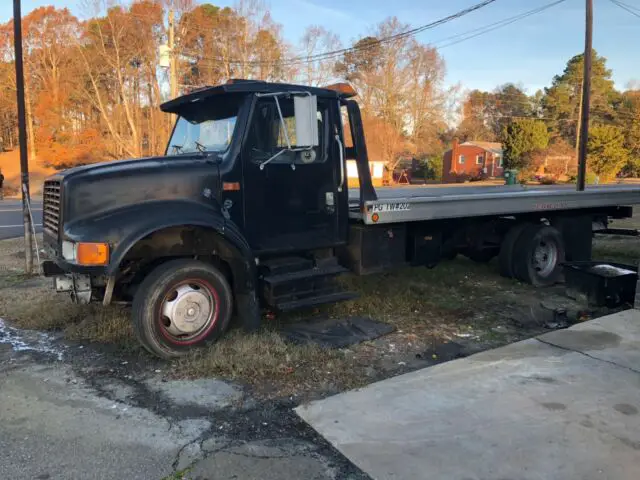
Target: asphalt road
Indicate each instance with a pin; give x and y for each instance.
(69, 412)
(11, 218)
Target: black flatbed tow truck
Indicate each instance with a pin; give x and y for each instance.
(249, 208)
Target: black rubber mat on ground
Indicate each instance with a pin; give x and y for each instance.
(336, 332)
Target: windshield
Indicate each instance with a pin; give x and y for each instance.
(205, 127)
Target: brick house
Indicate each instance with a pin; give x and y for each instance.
(472, 160)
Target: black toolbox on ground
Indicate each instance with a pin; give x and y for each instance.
(602, 283)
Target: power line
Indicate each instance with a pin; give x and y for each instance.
(503, 23)
(632, 7)
(453, 39)
(629, 8)
(369, 45)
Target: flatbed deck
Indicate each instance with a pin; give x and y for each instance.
(411, 204)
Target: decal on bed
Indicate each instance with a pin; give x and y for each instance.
(391, 207)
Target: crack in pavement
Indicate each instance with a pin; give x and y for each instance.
(176, 462)
(610, 362)
(252, 455)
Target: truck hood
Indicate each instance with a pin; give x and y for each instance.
(96, 189)
(125, 165)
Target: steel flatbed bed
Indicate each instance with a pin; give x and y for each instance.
(411, 204)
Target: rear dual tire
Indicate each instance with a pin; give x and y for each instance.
(180, 305)
(533, 253)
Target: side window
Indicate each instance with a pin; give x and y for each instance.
(268, 135)
(290, 125)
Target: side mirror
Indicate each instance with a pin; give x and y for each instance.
(306, 115)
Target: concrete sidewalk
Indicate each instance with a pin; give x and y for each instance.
(562, 406)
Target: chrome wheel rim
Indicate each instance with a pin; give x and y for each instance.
(545, 257)
(187, 310)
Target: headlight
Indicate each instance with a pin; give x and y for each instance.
(69, 251)
(83, 253)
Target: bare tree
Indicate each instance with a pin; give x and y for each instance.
(317, 40)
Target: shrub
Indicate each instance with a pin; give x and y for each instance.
(10, 188)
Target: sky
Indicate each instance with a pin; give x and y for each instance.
(528, 52)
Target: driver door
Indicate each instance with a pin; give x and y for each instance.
(291, 201)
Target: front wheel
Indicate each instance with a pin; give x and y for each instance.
(179, 305)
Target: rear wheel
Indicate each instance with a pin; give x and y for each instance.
(538, 256)
(507, 248)
(181, 304)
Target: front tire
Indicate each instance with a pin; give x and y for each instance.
(181, 304)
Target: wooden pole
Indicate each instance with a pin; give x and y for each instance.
(22, 132)
(173, 75)
(579, 124)
(586, 91)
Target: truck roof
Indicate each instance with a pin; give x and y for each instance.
(251, 86)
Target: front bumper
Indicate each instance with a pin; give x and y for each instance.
(77, 284)
(51, 269)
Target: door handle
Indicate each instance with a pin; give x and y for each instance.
(341, 163)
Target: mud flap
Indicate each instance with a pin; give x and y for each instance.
(248, 311)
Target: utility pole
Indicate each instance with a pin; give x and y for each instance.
(586, 91)
(22, 136)
(579, 124)
(173, 75)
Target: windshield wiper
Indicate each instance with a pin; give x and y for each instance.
(201, 148)
(177, 148)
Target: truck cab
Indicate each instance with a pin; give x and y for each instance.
(247, 208)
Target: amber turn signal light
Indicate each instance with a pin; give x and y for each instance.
(92, 254)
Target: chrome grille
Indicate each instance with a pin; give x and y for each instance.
(51, 207)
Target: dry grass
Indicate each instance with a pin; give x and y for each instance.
(615, 248)
(426, 300)
(273, 366)
(31, 303)
(110, 325)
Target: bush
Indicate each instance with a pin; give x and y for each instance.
(590, 179)
(548, 180)
(607, 152)
(10, 188)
